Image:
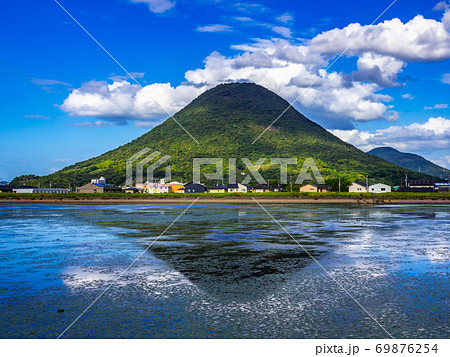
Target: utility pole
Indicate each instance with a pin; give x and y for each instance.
(406, 180)
(339, 183)
(367, 183)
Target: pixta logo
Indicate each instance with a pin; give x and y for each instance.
(143, 161)
(308, 172)
(304, 175)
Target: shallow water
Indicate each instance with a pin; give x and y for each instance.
(224, 271)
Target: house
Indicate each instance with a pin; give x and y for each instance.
(131, 190)
(101, 181)
(160, 188)
(442, 186)
(98, 186)
(358, 187)
(195, 187)
(379, 188)
(278, 189)
(218, 189)
(6, 188)
(260, 188)
(415, 189)
(177, 187)
(421, 183)
(40, 190)
(309, 187)
(238, 187)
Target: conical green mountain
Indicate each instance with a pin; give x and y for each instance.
(225, 121)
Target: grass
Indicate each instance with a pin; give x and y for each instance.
(125, 196)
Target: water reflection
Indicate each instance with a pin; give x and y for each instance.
(226, 252)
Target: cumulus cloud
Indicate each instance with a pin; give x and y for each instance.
(434, 134)
(214, 28)
(157, 6)
(275, 64)
(418, 40)
(128, 101)
(289, 70)
(292, 70)
(407, 96)
(437, 106)
(379, 69)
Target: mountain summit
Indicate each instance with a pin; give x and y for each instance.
(226, 120)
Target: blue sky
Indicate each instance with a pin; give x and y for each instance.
(63, 99)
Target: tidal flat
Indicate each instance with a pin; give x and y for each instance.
(224, 270)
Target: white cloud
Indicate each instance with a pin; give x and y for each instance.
(36, 116)
(277, 65)
(127, 101)
(214, 28)
(98, 123)
(285, 18)
(135, 75)
(378, 69)
(244, 19)
(419, 40)
(283, 31)
(407, 96)
(287, 69)
(442, 161)
(157, 6)
(440, 6)
(434, 134)
(446, 78)
(250, 7)
(49, 82)
(437, 106)
(50, 85)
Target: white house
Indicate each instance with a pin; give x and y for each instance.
(357, 187)
(40, 190)
(238, 187)
(160, 188)
(100, 181)
(379, 188)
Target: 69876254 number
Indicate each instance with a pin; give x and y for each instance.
(418, 348)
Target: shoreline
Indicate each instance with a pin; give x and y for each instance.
(240, 200)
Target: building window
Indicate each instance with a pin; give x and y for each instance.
(383, 189)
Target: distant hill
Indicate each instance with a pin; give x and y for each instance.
(225, 120)
(410, 161)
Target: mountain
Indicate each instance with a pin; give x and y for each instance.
(226, 120)
(410, 161)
